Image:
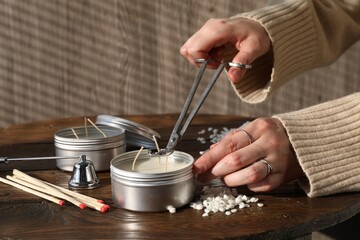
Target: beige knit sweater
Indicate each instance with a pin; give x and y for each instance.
(326, 137)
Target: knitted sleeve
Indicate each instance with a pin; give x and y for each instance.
(305, 35)
(326, 140)
(326, 137)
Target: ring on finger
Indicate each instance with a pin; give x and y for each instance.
(247, 135)
(269, 167)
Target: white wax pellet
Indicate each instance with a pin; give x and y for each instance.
(202, 131)
(260, 204)
(215, 210)
(199, 207)
(222, 199)
(171, 209)
(205, 214)
(241, 205)
(238, 200)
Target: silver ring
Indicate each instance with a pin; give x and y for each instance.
(247, 135)
(239, 65)
(269, 167)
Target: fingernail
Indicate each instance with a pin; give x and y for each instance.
(218, 168)
(236, 75)
(199, 168)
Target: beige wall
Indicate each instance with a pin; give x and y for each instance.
(71, 58)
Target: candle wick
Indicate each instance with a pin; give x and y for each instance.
(75, 133)
(96, 127)
(157, 147)
(136, 157)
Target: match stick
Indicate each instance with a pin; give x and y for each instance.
(26, 184)
(98, 206)
(32, 191)
(137, 155)
(75, 133)
(89, 201)
(32, 186)
(96, 127)
(48, 188)
(75, 194)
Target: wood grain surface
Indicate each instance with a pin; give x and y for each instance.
(288, 213)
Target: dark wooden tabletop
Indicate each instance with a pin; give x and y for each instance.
(288, 212)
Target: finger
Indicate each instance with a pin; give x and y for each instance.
(239, 159)
(208, 41)
(197, 47)
(249, 50)
(230, 143)
(267, 184)
(249, 175)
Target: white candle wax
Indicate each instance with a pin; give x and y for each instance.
(153, 165)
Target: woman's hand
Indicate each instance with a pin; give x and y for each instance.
(243, 39)
(239, 157)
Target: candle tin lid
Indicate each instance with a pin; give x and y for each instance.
(136, 133)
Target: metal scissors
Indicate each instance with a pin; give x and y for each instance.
(178, 132)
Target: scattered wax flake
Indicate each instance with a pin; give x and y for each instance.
(202, 131)
(171, 209)
(222, 199)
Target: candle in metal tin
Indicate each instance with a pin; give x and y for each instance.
(89, 141)
(152, 187)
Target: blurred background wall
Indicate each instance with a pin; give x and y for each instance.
(89, 57)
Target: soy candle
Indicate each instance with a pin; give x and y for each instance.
(155, 165)
(153, 184)
(89, 141)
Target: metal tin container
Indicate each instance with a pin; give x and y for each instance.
(92, 143)
(154, 184)
(136, 133)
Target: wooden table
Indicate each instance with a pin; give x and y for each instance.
(288, 213)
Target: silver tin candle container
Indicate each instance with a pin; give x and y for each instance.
(151, 186)
(97, 148)
(136, 133)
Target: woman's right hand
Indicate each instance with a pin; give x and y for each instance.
(245, 39)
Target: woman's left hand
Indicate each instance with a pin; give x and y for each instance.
(259, 155)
